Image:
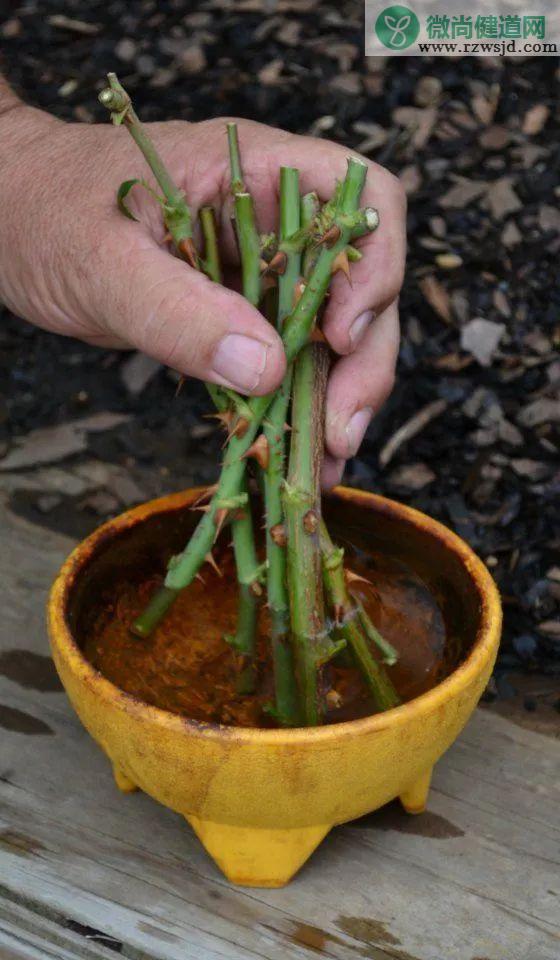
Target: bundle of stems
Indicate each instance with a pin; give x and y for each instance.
(314, 616)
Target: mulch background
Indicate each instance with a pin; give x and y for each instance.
(477, 144)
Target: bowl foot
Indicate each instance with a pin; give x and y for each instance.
(414, 799)
(258, 857)
(123, 782)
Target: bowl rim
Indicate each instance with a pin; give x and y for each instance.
(483, 649)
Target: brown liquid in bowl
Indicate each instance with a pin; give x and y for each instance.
(187, 667)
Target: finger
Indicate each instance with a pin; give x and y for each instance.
(331, 472)
(164, 308)
(107, 341)
(359, 385)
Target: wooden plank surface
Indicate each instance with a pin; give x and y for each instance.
(88, 873)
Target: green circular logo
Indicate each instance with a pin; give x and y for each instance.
(397, 27)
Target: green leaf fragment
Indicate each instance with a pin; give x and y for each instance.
(122, 194)
(125, 188)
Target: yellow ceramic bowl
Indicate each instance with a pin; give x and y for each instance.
(262, 800)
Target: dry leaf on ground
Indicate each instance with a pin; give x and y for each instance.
(437, 296)
(480, 338)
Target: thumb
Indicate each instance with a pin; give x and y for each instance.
(180, 317)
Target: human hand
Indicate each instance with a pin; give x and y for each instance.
(72, 264)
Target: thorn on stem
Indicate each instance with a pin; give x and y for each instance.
(279, 535)
(352, 577)
(342, 263)
(235, 425)
(239, 429)
(225, 418)
(330, 237)
(317, 335)
(260, 451)
(205, 495)
(310, 522)
(278, 263)
(187, 250)
(209, 558)
(220, 518)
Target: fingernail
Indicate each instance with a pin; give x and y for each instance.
(360, 326)
(240, 360)
(355, 429)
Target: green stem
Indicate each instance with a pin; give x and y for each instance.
(183, 569)
(177, 215)
(236, 173)
(247, 613)
(350, 625)
(211, 265)
(285, 690)
(289, 223)
(217, 396)
(248, 576)
(242, 528)
(296, 219)
(310, 206)
(390, 655)
(295, 335)
(249, 246)
(352, 185)
(158, 606)
(248, 236)
(302, 504)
